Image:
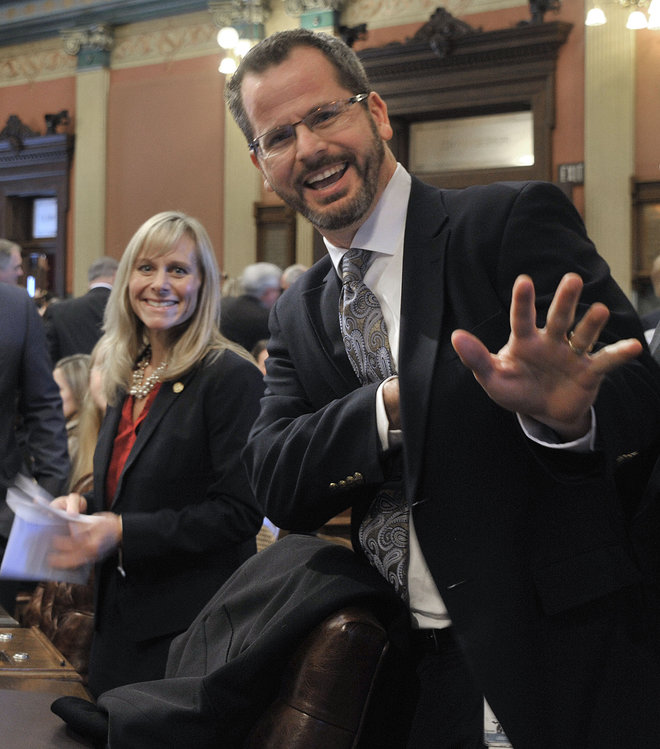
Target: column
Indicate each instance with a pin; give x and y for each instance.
(609, 139)
(92, 47)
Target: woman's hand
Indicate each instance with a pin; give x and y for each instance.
(88, 542)
(74, 503)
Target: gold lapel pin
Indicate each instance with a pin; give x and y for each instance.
(177, 387)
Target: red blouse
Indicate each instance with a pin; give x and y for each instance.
(127, 431)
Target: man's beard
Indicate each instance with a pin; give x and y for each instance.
(351, 212)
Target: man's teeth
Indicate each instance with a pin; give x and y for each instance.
(326, 174)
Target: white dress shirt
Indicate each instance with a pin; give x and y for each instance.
(383, 233)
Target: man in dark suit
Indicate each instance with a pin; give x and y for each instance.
(11, 262)
(244, 319)
(28, 392)
(73, 326)
(525, 548)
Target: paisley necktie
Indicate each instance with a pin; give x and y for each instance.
(383, 533)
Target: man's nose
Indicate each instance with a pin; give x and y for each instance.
(308, 141)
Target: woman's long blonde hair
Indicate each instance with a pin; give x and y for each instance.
(75, 369)
(125, 335)
(89, 423)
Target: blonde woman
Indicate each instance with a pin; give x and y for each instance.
(71, 374)
(174, 512)
(91, 415)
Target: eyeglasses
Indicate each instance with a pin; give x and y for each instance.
(328, 116)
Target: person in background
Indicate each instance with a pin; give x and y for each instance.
(244, 318)
(92, 412)
(501, 494)
(260, 353)
(651, 319)
(11, 262)
(30, 398)
(73, 326)
(64, 611)
(291, 274)
(174, 512)
(72, 377)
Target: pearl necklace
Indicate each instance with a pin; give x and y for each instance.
(141, 387)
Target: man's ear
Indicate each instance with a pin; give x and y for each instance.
(378, 109)
(255, 161)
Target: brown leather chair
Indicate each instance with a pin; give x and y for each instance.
(64, 612)
(326, 689)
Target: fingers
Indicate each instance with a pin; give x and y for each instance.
(73, 503)
(59, 503)
(68, 553)
(391, 402)
(523, 311)
(86, 543)
(472, 352)
(561, 313)
(613, 356)
(587, 332)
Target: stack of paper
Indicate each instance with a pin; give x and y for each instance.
(35, 525)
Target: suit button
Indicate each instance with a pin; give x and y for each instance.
(342, 483)
(333, 486)
(357, 476)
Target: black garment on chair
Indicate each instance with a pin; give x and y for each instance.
(225, 669)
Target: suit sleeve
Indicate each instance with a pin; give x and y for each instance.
(52, 337)
(310, 456)
(41, 408)
(545, 238)
(198, 516)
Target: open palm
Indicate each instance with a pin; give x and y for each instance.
(547, 373)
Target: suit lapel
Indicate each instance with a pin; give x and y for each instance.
(422, 301)
(166, 397)
(322, 309)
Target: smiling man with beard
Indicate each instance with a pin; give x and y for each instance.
(522, 546)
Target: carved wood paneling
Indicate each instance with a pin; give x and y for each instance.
(472, 74)
(36, 167)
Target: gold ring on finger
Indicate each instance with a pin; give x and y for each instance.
(575, 349)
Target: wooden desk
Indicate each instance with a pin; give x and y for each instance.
(30, 662)
(28, 687)
(28, 723)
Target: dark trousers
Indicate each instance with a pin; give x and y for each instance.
(425, 699)
(448, 711)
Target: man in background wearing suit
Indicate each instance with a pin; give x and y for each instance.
(523, 546)
(29, 392)
(73, 326)
(11, 262)
(244, 319)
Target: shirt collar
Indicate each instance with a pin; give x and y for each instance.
(384, 229)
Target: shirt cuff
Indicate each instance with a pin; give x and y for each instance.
(543, 435)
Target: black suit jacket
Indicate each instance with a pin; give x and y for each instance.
(73, 326)
(244, 320)
(189, 516)
(28, 391)
(535, 553)
(224, 671)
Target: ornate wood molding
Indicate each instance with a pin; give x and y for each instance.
(449, 70)
(40, 167)
(527, 47)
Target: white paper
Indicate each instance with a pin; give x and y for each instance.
(35, 525)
